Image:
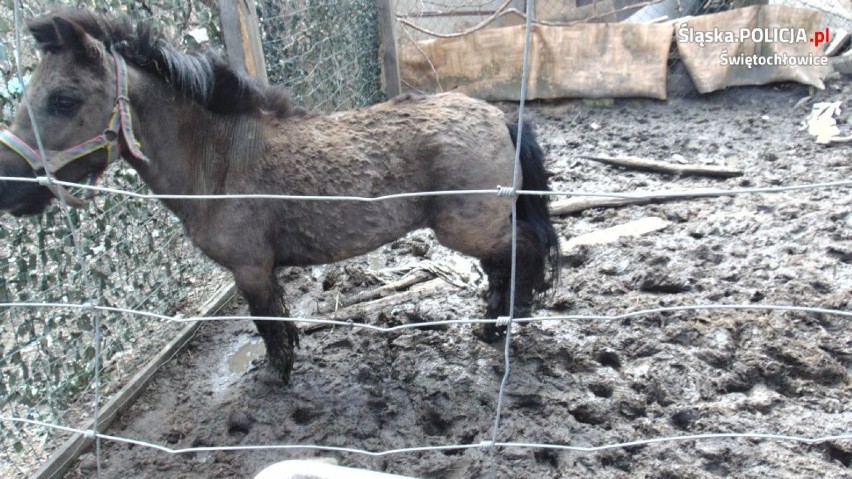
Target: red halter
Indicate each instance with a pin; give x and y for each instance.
(120, 123)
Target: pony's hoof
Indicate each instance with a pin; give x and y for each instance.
(269, 374)
(491, 333)
(272, 377)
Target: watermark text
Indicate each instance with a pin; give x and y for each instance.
(687, 34)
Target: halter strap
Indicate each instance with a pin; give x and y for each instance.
(121, 122)
(120, 125)
(19, 146)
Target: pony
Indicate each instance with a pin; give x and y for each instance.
(108, 89)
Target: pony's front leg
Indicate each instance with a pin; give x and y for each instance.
(281, 339)
(260, 288)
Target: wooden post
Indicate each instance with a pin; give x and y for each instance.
(242, 37)
(387, 48)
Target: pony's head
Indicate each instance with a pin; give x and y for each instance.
(71, 98)
(79, 98)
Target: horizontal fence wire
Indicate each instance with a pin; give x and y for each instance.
(497, 190)
(484, 445)
(428, 324)
(88, 307)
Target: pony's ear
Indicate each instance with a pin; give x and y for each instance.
(57, 34)
(44, 32)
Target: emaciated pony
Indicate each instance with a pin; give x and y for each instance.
(191, 125)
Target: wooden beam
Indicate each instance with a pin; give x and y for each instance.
(637, 163)
(387, 48)
(580, 203)
(638, 227)
(242, 37)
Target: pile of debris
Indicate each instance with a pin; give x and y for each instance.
(667, 46)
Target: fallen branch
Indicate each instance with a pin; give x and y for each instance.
(637, 163)
(580, 203)
(360, 310)
(406, 281)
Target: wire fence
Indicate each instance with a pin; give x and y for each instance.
(54, 344)
(135, 256)
(484, 445)
(323, 51)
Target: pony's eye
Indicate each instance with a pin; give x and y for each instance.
(63, 105)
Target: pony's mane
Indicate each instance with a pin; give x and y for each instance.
(200, 75)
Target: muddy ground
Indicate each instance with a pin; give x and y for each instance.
(576, 382)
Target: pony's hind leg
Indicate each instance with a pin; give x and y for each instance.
(537, 240)
(262, 292)
(488, 237)
(529, 278)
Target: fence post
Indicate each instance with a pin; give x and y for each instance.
(242, 37)
(387, 48)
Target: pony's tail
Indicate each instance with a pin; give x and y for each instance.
(533, 210)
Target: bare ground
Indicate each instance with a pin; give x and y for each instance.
(578, 382)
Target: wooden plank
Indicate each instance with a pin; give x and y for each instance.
(387, 48)
(242, 37)
(64, 457)
(581, 203)
(638, 227)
